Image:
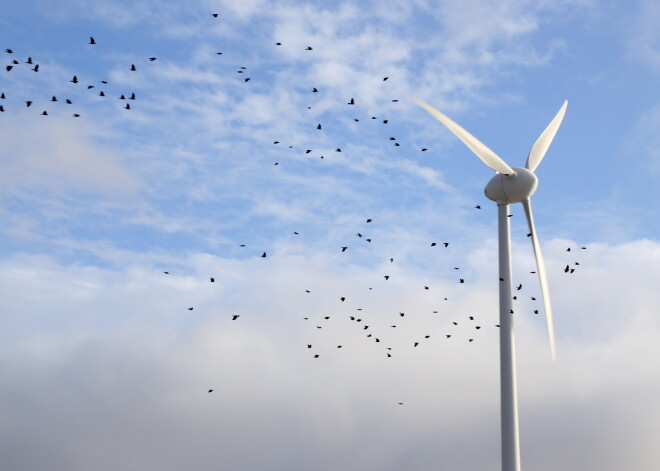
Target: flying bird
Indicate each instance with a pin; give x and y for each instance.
(235, 316)
(91, 40)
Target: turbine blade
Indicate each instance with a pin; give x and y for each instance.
(541, 145)
(540, 265)
(486, 155)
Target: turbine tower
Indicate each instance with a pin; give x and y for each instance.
(511, 185)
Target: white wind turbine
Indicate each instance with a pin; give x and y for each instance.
(511, 185)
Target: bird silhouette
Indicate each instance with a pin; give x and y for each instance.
(235, 316)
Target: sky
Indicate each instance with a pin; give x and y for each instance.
(106, 360)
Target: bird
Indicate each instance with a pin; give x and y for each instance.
(519, 287)
(91, 40)
(343, 249)
(212, 280)
(133, 67)
(190, 308)
(132, 97)
(565, 269)
(127, 107)
(210, 390)
(74, 79)
(28, 103)
(351, 102)
(235, 316)
(44, 113)
(2, 96)
(385, 78)
(318, 126)
(68, 102)
(9, 67)
(315, 90)
(152, 59)
(387, 277)
(309, 48)
(263, 255)
(477, 207)
(53, 99)
(369, 220)
(76, 115)
(215, 15)
(2, 109)
(9, 51)
(446, 244)
(316, 356)
(461, 280)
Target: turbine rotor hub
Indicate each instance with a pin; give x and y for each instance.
(515, 188)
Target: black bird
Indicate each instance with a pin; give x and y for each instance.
(91, 40)
(210, 390)
(387, 277)
(461, 280)
(477, 207)
(235, 316)
(9, 67)
(342, 299)
(190, 308)
(318, 126)
(90, 86)
(101, 93)
(2, 110)
(215, 15)
(385, 121)
(424, 149)
(152, 59)
(212, 280)
(166, 272)
(278, 44)
(127, 107)
(69, 102)
(352, 102)
(446, 244)
(309, 345)
(385, 78)
(44, 113)
(316, 356)
(536, 311)
(314, 90)
(74, 79)
(565, 269)
(122, 97)
(53, 99)
(247, 79)
(132, 97)
(2, 96)
(369, 220)
(9, 51)
(28, 103)
(309, 48)
(343, 249)
(29, 61)
(433, 244)
(416, 343)
(76, 115)
(519, 287)
(263, 255)
(133, 67)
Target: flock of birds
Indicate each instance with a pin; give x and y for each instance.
(371, 328)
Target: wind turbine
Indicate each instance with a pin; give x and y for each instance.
(511, 185)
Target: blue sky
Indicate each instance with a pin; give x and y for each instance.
(95, 337)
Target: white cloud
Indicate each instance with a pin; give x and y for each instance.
(113, 360)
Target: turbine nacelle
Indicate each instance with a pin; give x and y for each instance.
(512, 188)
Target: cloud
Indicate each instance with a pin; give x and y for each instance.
(108, 368)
